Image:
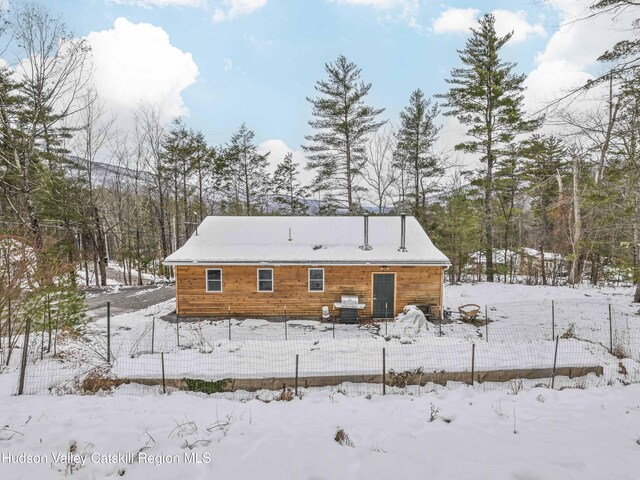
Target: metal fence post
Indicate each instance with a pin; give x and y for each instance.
(610, 331)
(164, 385)
(42, 340)
(296, 387)
(440, 325)
(49, 326)
(553, 319)
(286, 334)
(386, 318)
(25, 353)
(177, 329)
(555, 359)
(153, 333)
(486, 323)
(473, 362)
(333, 319)
(229, 322)
(384, 371)
(109, 332)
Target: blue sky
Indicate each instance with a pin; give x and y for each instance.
(222, 62)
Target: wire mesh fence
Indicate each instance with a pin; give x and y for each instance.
(517, 343)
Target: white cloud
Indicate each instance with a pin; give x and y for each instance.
(570, 56)
(278, 150)
(160, 3)
(507, 21)
(456, 20)
(237, 8)
(550, 81)
(460, 20)
(228, 64)
(136, 63)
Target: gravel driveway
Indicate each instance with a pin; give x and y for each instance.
(128, 299)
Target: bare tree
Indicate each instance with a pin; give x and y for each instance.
(94, 131)
(380, 173)
(575, 230)
(148, 118)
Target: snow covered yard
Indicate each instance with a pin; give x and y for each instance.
(586, 428)
(520, 335)
(455, 433)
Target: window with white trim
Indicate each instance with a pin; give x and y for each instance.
(265, 279)
(214, 279)
(316, 279)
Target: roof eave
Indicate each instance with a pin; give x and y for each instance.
(433, 263)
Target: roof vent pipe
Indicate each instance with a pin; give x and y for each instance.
(403, 232)
(366, 245)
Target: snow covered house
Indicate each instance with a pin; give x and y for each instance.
(257, 266)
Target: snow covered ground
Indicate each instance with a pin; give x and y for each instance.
(455, 433)
(587, 428)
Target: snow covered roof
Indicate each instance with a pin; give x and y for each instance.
(314, 240)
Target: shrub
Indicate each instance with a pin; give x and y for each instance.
(343, 438)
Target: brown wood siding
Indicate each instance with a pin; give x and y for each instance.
(414, 285)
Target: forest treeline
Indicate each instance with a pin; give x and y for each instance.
(80, 191)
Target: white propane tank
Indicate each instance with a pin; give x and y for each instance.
(325, 313)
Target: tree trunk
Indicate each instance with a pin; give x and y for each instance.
(100, 246)
(574, 274)
(186, 204)
(176, 222)
(349, 186)
(488, 224)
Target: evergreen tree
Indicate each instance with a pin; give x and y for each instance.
(178, 164)
(289, 193)
(486, 96)
(343, 123)
(416, 136)
(206, 163)
(625, 54)
(245, 173)
(454, 224)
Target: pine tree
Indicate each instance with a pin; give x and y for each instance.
(417, 135)
(177, 165)
(289, 193)
(486, 96)
(245, 173)
(206, 163)
(343, 123)
(453, 223)
(625, 54)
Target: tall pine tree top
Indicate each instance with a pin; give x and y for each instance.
(342, 122)
(486, 94)
(416, 136)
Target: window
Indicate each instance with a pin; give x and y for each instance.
(265, 279)
(214, 280)
(316, 279)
